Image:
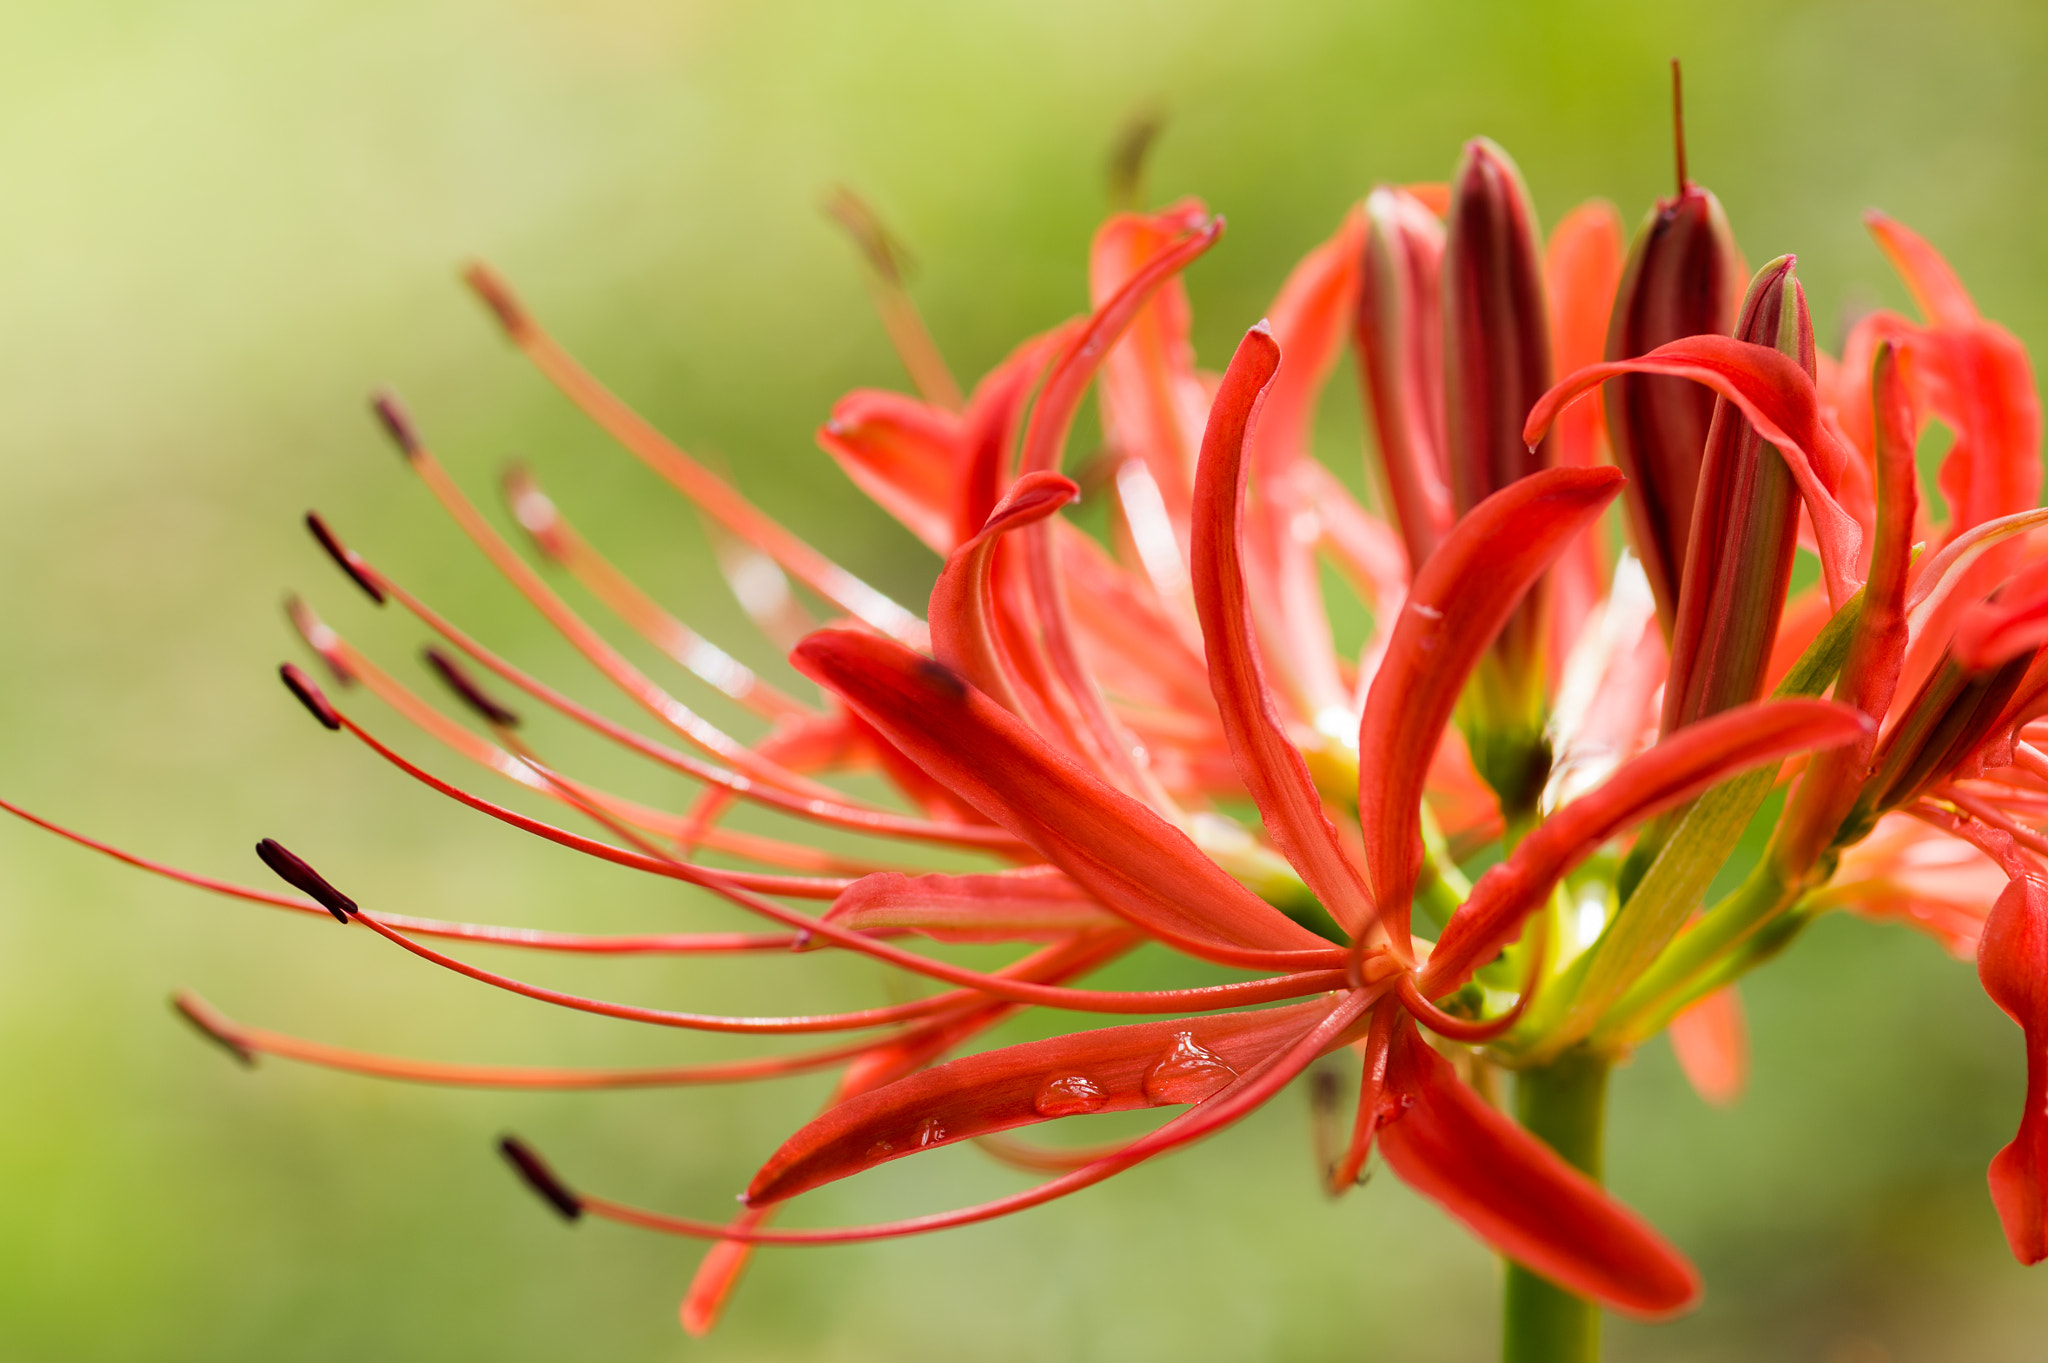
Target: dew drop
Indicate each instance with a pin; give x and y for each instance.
(931, 1132)
(1188, 1073)
(1069, 1095)
(880, 1150)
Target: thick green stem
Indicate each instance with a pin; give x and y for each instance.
(1565, 1104)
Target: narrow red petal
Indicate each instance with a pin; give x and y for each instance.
(2012, 962)
(1712, 1046)
(1936, 290)
(1780, 401)
(963, 632)
(1515, 1193)
(1152, 401)
(1274, 771)
(1581, 267)
(1675, 770)
(1122, 852)
(1035, 904)
(1114, 1069)
(1459, 601)
(907, 455)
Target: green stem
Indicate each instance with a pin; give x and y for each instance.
(1564, 1103)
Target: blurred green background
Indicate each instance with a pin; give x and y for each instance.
(222, 222)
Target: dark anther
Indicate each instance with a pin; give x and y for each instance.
(397, 421)
(341, 557)
(300, 876)
(462, 684)
(301, 685)
(534, 1170)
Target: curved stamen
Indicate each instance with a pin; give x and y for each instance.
(708, 492)
(837, 812)
(666, 943)
(350, 662)
(637, 686)
(244, 1040)
(900, 317)
(554, 537)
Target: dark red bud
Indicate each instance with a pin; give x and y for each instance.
(294, 871)
(1683, 279)
(1496, 365)
(1496, 326)
(538, 1176)
(1745, 526)
(1400, 349)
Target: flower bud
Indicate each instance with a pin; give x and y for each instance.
(1745, 526)
(1683, 278)
(1496, 327)
(1496, 364)
(1400, 359)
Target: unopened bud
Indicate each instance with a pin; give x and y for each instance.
(1683, 279)
(1745, 526)
(1400, 359)
(1496, 365)
(1496, 326)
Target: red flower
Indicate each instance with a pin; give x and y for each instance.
(1074, 712)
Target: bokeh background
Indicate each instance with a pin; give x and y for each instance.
(222, 222)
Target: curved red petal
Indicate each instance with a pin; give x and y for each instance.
(1459, 601)
(1678, 768)
(1273, 769)
(1122, 852)
(2012, 962)
(1515, 1193)
(1115, 1069)
(1781, 403)
(1034, 904)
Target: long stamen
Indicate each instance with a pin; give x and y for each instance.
(557, 539)
(710, 493)
(665, 708)
(1307, 959)
(676, 943)
(887, 264)
(839, 812)
(1307, 978)
(349, 662)
(243, 1040)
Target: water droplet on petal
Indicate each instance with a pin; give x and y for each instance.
(881, 1150)
(930, 1133)
(1186, 1074)
(1069, 1095)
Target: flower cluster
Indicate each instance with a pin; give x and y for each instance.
(1083, 712)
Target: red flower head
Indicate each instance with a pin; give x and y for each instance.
(1081, 714)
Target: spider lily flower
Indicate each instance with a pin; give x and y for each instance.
(1080, 715)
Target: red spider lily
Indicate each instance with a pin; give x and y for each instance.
(1081, 714)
